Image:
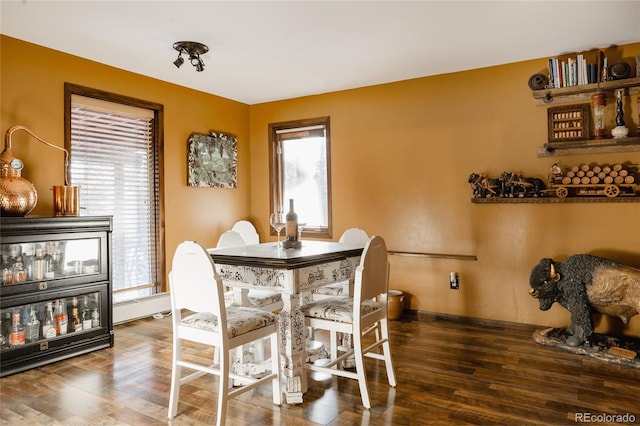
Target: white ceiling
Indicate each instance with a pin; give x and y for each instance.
(262, 51)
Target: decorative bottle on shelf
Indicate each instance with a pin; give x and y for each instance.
(32, 328)
(60, 316)
(48, 323)
(598, 103)
(621, 130)
(16, 335)
(86, 314)
(291, 220)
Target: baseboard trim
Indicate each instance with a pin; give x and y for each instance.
(423, 315)
(134, 309)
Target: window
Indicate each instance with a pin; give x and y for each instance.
(300, 170)
(114, 144)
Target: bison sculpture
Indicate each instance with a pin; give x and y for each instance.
(585, 284)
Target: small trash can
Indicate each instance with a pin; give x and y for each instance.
(395, 304)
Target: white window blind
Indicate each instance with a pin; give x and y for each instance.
(113, 161)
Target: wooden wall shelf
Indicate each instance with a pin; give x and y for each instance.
(594, 146)
(582, 93)
(539, 200)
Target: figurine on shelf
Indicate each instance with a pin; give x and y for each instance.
(620, 131)
(556, 174)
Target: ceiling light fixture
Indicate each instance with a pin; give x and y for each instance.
(193, 49)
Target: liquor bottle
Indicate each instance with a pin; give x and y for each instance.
(49, 263)
(7, 274)
(48, 324)
(95, 314)
(75, 323)
(5, 326)
(60, 317)
(16, 334)
(19, 273)
(32, 328)
(86, 314)
(291, 220)
(4, 341)
(38, 265)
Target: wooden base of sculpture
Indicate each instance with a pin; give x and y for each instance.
(619, 350)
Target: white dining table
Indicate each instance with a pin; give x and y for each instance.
(291, 272)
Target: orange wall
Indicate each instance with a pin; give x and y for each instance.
(32, 87)
(401, 155)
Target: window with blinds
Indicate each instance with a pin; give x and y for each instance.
(300, 170)
(114, 161)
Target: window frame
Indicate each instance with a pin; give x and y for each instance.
(276, 177)
(158, 141)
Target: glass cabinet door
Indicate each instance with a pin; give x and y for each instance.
(49, 319)
(45, 260)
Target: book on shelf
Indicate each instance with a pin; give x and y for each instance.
(576, 71)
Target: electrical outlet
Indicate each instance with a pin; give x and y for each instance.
(454, 281)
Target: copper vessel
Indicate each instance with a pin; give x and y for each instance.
(18, 196)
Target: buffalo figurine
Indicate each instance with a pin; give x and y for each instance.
(584, 284)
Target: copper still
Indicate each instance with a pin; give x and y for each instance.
(18, 196)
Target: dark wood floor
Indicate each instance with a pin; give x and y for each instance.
(449, 373)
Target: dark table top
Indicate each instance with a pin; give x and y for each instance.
(269, 255)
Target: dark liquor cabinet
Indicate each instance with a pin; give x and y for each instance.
(55, 293)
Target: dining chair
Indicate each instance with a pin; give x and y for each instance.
(231, 239)
(354, 236)
(247, 230)
(268, 301)
(364, 316)
(350, 236)
(199, 316)
(263, 299)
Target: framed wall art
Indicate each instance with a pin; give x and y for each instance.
(212, 160)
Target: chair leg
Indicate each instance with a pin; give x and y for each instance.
(333, 341)
(360, 371)
(386, 349)
(275, 367)
(223, 388)
(176, 373)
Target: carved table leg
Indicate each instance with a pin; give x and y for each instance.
(293, 347)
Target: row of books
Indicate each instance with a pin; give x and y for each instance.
(576, 71)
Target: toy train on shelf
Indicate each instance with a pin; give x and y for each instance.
(585, 180)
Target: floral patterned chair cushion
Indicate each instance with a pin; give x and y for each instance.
(337, 308)
(239, 320)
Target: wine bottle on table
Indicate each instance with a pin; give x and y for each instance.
(291, 220)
